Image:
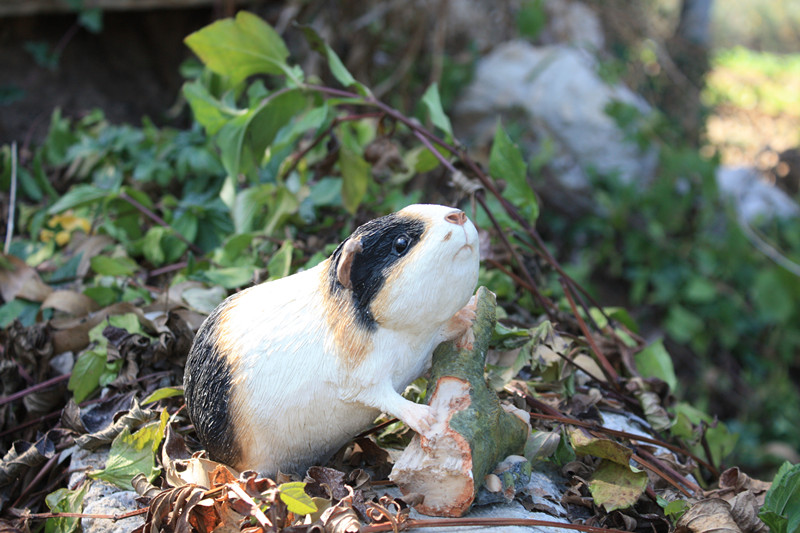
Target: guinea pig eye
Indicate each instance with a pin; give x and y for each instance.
(400, 244)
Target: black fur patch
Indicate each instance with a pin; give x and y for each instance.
(371, 266)
(207, 389)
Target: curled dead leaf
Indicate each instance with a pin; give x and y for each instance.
(18, 280)
(712, 514)
(70, 302)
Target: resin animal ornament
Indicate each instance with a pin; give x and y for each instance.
(283, 374)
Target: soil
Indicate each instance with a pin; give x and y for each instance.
(130, 69)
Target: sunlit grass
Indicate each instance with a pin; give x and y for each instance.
(760, 81)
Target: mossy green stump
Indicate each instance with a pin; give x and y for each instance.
(472, 433)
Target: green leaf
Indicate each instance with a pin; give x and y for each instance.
(585, 444)
(682, 324)
(23, 310)
(280, 263)
(355, 178)
(91, 19)
(617, 486)
(772, 295)
(240, 47)
(151, 245)
(531, 18)
(338, 69)
(162, 393)
(243, 140)
(675, 509)
(781, 509)
(133, 454)
(86, 374)
(204, 300)
(437, 115)
(294, 496)
(230, 278)
(113, 266)
(506, 163)
(655, 361)
(78, 196)
(211, 113)
(65, 501)
(327, 191)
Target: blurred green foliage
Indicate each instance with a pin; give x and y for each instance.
(691, 271)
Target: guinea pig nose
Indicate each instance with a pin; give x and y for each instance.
(456, 217)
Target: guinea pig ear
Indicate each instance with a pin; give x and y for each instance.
(349, 251)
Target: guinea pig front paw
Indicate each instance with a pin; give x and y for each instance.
(418, 417)
(459, 328)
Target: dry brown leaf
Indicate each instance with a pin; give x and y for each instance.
(70, 302)
(89, 246)
(712, 514)
(744, 509)
(181, 468)
(170, 509)
(18, 280)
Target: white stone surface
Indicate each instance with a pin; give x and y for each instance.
(752, 197)
(556, 92)
(104, 498)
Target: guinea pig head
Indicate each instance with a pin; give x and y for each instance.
(411, 270)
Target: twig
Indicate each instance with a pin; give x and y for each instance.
(485, 522)
(39, 475)
(660, 473)
(34, 388)
(114, 517)
(160, 221)
(12, 201)
(613, 432)
(254, 508)
(767, 249)
(609, 371)
(319, 138)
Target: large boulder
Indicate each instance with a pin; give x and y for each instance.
(556, 95)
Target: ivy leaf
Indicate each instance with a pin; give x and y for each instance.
(655, 361)
(281, 261)
(294, 496)
(433, 103)
(211, 113)
(113, 266)
(65, 501)
(133, 453)
(338, 69)
(506, 162)
(78, 196)
(162, 393)
(86, 374)
(243, 140)
(240, 47)
(781, 510)
(617, 486)
(355, 177)
(231, 277)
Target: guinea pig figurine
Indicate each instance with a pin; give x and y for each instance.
(284, 373)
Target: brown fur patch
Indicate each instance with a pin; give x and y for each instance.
(352, 341)
(227, 346)
(447, 237)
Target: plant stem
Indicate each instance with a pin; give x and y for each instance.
(160, 221)
(12, 201)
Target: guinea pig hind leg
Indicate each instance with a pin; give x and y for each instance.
(459, 327)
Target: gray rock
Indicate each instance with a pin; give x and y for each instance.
(558, 95)
(107, 499)
(752, 197)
